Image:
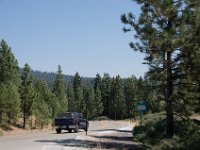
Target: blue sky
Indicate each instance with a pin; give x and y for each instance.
(82, 36)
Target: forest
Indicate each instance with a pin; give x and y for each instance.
(36, 97)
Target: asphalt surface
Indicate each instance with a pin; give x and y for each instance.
(101, 135)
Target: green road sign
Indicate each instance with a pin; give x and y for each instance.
(141, 107)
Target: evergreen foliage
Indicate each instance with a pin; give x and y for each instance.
(9, 103)
(44, 106)
(9, 70)
(98, 96)
(167, 32)
(152, 131)
(117, 107)
(90, 102)
(27, 93)
(106, 93)
(60, 91)
(98, 102)
(9, 84)
(130, 90)
(78, 102)
(161, 29)
(70, 95)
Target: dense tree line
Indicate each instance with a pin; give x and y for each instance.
(27, 96)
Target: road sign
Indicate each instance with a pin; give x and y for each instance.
(141, 107)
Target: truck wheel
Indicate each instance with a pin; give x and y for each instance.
(70, 130)
(76, 128)
(58, 131)
(86, 129)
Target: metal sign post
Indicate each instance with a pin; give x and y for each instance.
(141, 107)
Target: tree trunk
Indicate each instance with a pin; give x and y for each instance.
(169, 92)
(198, 109)
(24, 115)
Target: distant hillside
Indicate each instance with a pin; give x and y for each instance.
(51, 76)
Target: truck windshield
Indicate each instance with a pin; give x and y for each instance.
(64, 115)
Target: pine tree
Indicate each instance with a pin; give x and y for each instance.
(42, 108)
(98, 97)
(70, 95)
(27, 93)
(159, 29)
(91, 104)
(9, 70)
(130, 95)
(97, 81)
(118, 99)
(9, 83)
(60, 91)
(98, 102)
(78, 93)
(9, 103)
(189, 57)
(105, 89)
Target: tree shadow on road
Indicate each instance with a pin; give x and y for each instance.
(118, 141)
(77, 143)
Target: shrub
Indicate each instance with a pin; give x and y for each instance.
(151, 129)
(152, 133)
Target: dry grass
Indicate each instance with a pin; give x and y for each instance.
(18, 131)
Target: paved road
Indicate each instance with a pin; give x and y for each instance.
(99, 135)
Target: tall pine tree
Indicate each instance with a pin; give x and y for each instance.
(118, 105)
(42, 105)
(159, 29)
(130, 90)
(98, 97)
(60, 91)
(105, 89)
(9, 83)
(78, 102)
(27, 93)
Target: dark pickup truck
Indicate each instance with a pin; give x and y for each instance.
(70, 121)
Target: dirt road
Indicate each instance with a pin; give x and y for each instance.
(101, 135)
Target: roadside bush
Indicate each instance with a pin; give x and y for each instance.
(151, 130)
(152, 133)
(192, 141)
(5, 126)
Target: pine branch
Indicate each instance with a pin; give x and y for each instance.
(185, 83)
